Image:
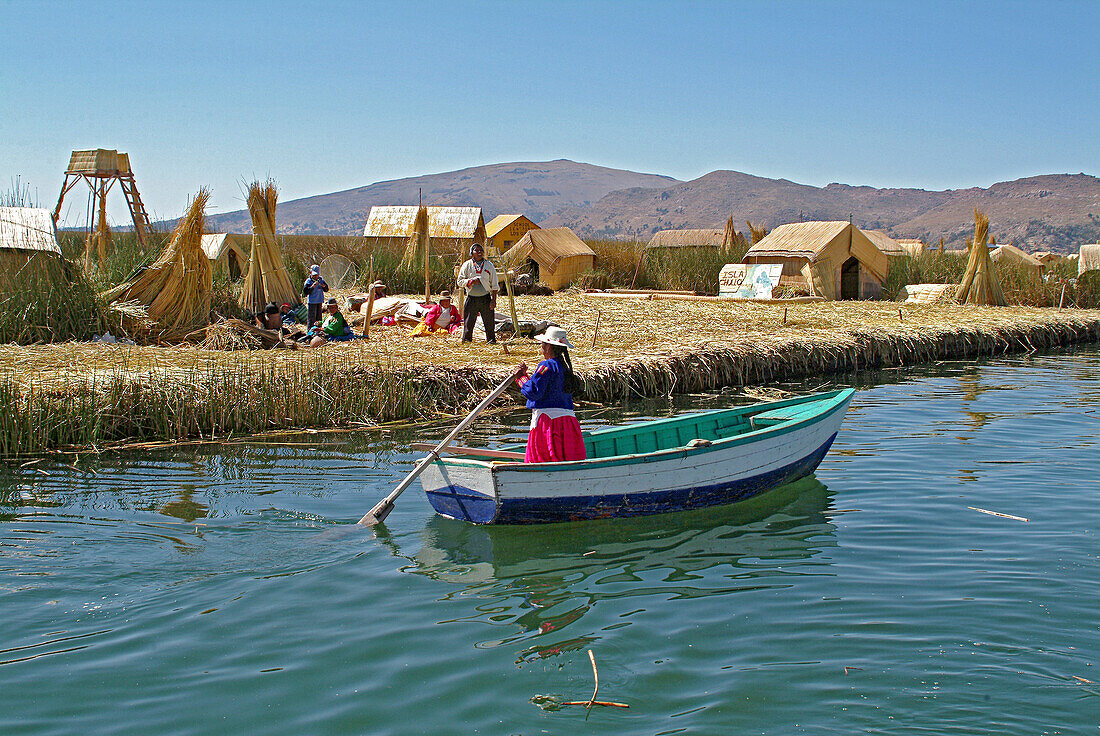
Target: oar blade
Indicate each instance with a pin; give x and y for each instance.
(378, 514)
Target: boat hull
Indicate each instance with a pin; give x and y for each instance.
(725, 471)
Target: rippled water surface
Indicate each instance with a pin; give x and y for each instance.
(221, 589)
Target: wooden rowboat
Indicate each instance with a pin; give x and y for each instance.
(704, 459)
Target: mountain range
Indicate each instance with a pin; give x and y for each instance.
(1051, 212)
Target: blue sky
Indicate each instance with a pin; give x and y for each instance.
(930, 95)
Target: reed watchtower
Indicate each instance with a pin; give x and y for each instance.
(100, 169)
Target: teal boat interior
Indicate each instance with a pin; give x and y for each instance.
(675, 432)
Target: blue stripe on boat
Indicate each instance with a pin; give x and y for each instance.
(459, 502)
(463, 503)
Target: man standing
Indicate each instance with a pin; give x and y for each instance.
(314, 291)
(479, 278)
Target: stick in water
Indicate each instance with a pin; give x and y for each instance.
(383, 508)
(997, 513)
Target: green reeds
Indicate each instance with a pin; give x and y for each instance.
(216, 399)
(47, 298)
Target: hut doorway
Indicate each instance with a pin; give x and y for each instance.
(849, 279)
(234, 265)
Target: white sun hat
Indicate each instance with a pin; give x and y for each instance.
(555, 336)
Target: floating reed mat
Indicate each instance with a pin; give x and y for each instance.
(219, 399)
(176, 287)
(267, 279)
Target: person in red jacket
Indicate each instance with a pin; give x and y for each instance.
(441, 317)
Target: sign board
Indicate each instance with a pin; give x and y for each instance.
(754, 281)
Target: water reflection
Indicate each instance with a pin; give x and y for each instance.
(540, 582)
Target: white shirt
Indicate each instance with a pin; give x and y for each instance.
(485, 273)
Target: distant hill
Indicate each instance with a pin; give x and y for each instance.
(1052, 212)
(536, 189)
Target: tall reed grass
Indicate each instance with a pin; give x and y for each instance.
(46, 298)
(215, 399)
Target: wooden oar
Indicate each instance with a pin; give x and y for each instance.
(383, 508)
(471, 451)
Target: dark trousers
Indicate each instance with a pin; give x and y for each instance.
(474, 306)
(314, 314)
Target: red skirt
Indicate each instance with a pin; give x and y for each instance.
(555, 440)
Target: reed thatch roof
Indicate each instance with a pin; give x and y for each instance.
(687, 239)
(1012, 254)
(885, 243)
(558, 251)
(913, 246)
(28, 228)
(1047, 258)
(815, 241)
(98, 162)
(500, 222)
(1089, 258)
(443, 222)
(215, 245)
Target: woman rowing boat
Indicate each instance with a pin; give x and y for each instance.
(555, 434)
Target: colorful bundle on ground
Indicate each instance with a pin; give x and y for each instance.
(979, 284)
(176, 287)
(267, 279)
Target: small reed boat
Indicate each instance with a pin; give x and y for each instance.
(652, 467)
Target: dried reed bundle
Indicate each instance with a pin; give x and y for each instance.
(733, 241)
(235, 334)
(176, 287)
(979, 284)
(758, 233)
(267, 279)
(100, 240)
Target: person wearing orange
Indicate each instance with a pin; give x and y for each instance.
(441, 317)
(555, 434)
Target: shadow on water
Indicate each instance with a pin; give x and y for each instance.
(541, 581)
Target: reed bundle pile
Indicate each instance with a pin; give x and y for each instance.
(980, 284)
(175, 288)
(267, 279)
(100, 241)
(235, 334)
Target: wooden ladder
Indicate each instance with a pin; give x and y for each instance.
(137, 208)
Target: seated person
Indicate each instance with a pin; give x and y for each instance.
(333, 325)
(379, 290)
(269, 319)
(441, 318)
(287, 315)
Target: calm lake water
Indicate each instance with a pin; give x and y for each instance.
(221, 589)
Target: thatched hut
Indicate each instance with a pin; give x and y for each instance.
(450, 229)
(1010, 254)
(1088, 258)
(504, 231)
(914, 247)
(697, 239)
(28, 242)
(228, 250)
(1047, 258)
(28, 229)
(834, 260)
(559, 253)
(892, 248)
